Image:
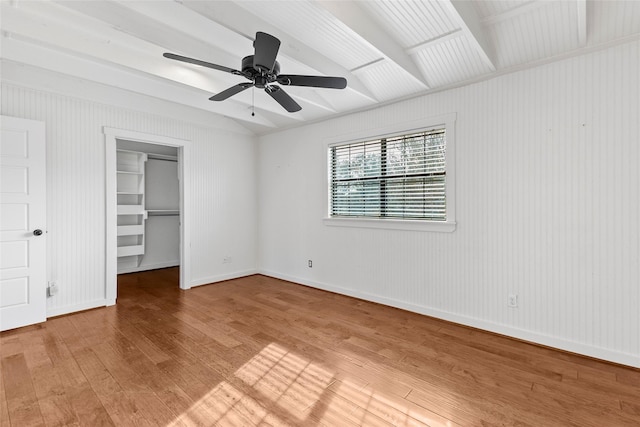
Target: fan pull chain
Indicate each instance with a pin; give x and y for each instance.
(253, 101)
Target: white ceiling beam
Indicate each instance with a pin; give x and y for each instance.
(514, 12)
(53, 30)
(434, 41)
(33, 77)
(310, 96)
(465, 14)
(368, 65)
(128, 21)
(178, 17)
(359, 21)
(238, 19)
(581, 7)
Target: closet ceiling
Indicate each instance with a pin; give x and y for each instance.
(387, 50)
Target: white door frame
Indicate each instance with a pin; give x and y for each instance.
(184, 156)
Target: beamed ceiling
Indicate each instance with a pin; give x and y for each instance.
(387, 50)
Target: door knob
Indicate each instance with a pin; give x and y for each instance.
(37, 232)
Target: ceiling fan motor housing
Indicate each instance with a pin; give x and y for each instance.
(260, 78)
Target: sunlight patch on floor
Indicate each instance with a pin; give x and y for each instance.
(278, 377)
(374, 407)
(226, 405)
(278, 387)
(289, 380)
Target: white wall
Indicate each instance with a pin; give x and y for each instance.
(223, 195)
(548, 207)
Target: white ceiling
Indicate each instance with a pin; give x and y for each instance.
(387, 50)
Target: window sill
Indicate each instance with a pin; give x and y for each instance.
(391, 224)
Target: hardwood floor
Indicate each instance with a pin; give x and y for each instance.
(258, 351)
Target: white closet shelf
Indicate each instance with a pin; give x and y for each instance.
(130, 250)
(131, 210)
(130, 230)
(130, 189)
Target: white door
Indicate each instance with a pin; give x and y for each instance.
(22, 223)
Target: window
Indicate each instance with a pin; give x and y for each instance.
(392, 179)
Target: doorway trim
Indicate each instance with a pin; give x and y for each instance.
(184, 155)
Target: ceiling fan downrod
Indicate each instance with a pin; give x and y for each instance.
(253, 101)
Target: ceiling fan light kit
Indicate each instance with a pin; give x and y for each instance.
(263, 72)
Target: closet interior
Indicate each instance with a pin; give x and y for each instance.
(148, 206)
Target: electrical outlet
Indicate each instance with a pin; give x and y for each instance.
(310, 264)
(52, 289)
(226, 260)
(513, 300)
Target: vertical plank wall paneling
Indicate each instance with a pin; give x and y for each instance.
(548, 207)
(223, 196)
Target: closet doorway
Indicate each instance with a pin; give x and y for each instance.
(147, 201)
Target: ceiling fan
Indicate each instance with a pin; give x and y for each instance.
(263, 71)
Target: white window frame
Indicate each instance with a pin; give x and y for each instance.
(445, 121)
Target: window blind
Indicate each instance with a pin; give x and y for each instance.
(401, 177)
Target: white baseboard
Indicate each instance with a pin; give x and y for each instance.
(555, 342)
(146, 267)
(222, 277)
(59, 311)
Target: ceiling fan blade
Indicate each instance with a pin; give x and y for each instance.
(228, 93)
(312, 81)
(283, 98)
(201, 63)
(266, 49)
